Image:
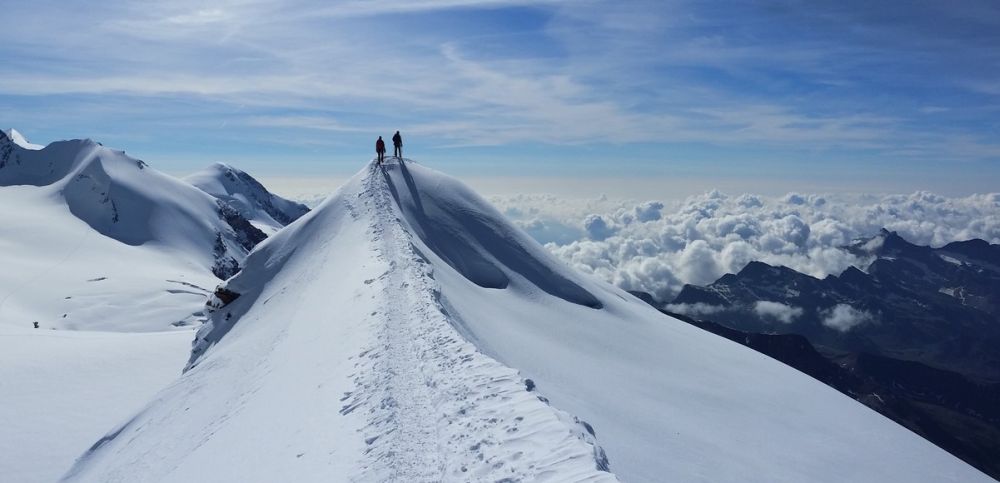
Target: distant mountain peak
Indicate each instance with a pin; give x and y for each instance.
(17, 138)
(884, 243)
(123, 199)
(247, 196)
(892, 240)
(953, 286)
(756, 270)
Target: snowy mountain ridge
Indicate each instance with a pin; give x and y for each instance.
(96, 315)
(423, 402)
(265, 210)
(20, 140)
(124, 199)
(404, 330)
(88, 228)
(938, 306)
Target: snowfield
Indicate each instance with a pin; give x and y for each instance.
(59, 390)
(405, 331)
(61, 273)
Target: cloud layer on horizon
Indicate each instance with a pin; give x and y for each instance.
(657, 247)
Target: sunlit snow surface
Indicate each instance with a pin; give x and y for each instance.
(19, 139)
(61, 389)
(374, 339)
(61, 273)
(94, 239)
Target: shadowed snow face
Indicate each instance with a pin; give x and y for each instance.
(476, 242)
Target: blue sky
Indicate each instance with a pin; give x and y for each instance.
(666, 95)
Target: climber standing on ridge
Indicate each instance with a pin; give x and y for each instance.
(397, 145)
(380, 149)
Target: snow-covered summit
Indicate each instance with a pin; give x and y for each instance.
(246, 195)
(405, 330)
(87, 228)
(20, 140)
(123, 198)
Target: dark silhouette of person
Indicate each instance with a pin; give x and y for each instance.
(397, 145)
(380, 149)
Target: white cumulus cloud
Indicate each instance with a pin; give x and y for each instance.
(695, 309)
(597, 228)
(648, 211)
(658, 246)
(843, 317)
(783, 313)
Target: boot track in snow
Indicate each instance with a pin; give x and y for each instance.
(337, 362)
(438, 408)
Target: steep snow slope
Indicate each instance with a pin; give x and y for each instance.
(94, 239)
(60, 390)
(369, 304)
(267, 211)
(336, 364)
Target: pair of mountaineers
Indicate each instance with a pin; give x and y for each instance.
(397, 144)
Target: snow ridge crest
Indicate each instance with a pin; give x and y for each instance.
(480, 414)
(335, 338)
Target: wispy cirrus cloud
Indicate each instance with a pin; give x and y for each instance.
(690, 81)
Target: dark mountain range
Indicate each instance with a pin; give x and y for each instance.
(914, 336)
(936, 306)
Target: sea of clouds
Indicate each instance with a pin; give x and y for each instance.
(658, 246)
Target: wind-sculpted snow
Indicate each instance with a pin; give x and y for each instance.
(62, 389)
(357, 351)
